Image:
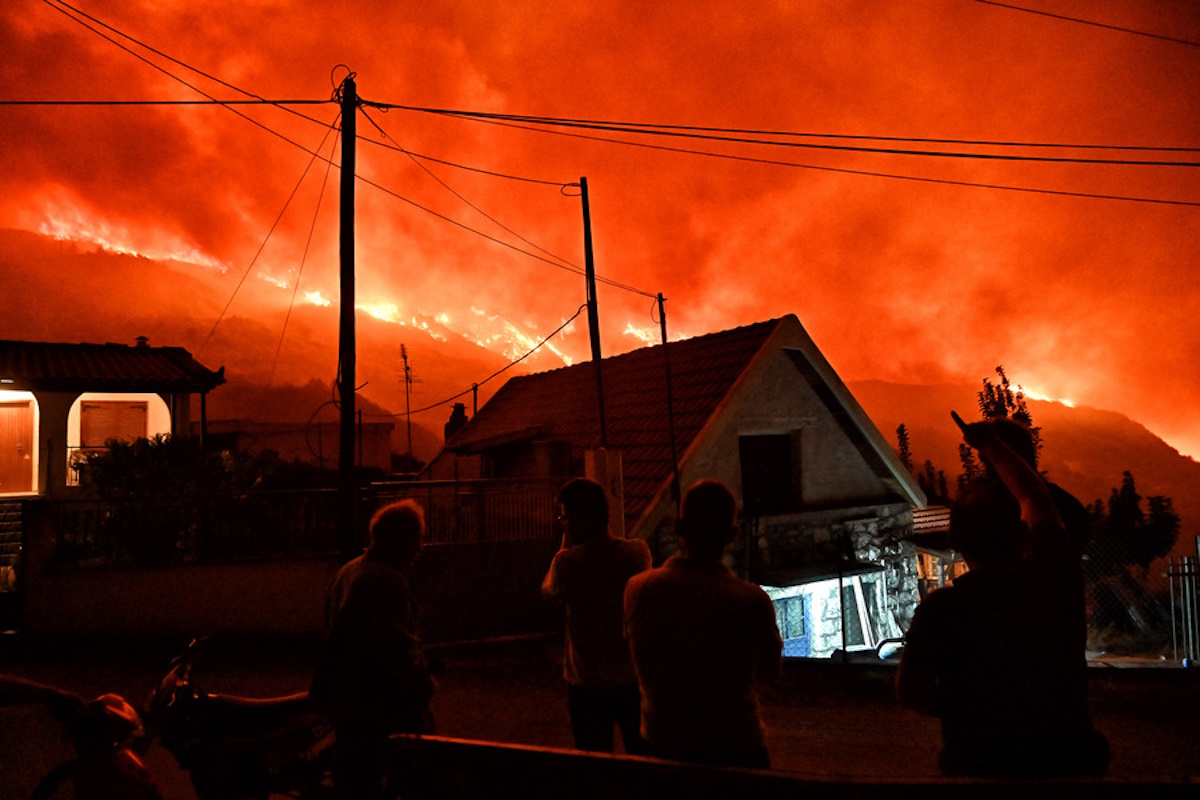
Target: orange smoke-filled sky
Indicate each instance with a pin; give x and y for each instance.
(919, 278)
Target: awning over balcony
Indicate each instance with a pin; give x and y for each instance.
(811, 573)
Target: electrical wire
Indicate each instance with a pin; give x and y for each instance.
(303, 259)
(205, 102)
(60, 6)
(457, 194)
(1092, 23)
(846, 170)
(559, 261)
(314, 153)
(266, 239)
(494, 375)
(55, 4)
(496, 240)
(573, 267)
(637, 127)
(728, 136)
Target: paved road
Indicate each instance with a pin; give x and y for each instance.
(826, 721)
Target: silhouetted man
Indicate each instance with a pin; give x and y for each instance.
(999, 656)
(588, 576)
(373, 679)
(1074, 514)
(701, 638)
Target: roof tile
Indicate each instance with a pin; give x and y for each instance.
(563, 404)
(103, 367)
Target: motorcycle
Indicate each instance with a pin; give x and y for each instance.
(106, 734)
(240, 748)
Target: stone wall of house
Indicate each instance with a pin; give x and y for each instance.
(872, 534)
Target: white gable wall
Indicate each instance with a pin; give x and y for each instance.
(773, 397)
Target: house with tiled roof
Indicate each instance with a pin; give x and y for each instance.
(826, 505)
(58, 400)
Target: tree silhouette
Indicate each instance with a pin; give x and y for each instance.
(1000, 400)
(972, 471)
(933, 483)
(931, 480)
(1125, 535)
(903, 450)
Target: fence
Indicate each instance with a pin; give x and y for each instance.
(1141, 609)
(462, 512)
(157, 531)
(1183, 576)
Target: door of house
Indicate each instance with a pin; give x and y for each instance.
(16, 447)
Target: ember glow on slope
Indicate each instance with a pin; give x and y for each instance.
(82, 228)
(896, 279)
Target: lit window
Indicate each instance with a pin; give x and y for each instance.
(789, 616)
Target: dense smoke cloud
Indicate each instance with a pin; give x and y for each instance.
(1079, 297)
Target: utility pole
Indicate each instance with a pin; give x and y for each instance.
(662, 322)
(407, 397)
(593, 310)
(347, 484)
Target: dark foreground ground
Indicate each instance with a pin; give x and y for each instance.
(828, 721)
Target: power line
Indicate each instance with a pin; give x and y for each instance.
(58, 5)
(205, 102)
(728, 136)
(498, 372)
(562, 263)
(261, 247)
(845, 170)
(1094, 24)
(457, 194)
(849, 136)
(496, 240)
(158, 67)
(288, 102)
(303, 259)
(633, 127)
(411, 154)
(275, 133)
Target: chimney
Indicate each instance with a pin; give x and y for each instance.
(458, 418)
(143, 341)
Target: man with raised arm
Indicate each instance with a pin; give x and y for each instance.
(999, 656)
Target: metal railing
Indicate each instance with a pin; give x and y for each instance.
(154, 531)
(1183, 575)
(480, 510)
(215, 528)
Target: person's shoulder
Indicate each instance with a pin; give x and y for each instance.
(649, 577)
(944, 601)
(635, 549)
(564, 556)
(351, 566)
(749, 590)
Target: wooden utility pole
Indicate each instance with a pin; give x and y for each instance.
(347, 483)
(407, 397)
(593, 310)
(662, 322)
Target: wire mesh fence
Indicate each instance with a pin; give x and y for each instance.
(1145, 610)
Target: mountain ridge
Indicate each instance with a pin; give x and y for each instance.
(1084, 449)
